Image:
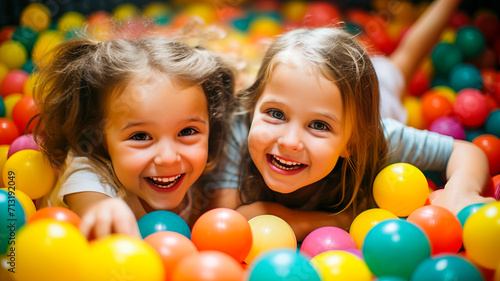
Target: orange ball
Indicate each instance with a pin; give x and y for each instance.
(435, 106)
(56, 213)
(208, 266)
(223, 230)
(22, 114)
(172, 248)
(490, 144)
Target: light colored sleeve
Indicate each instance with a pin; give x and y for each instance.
(391, 86)
(424, 149)
(77, 175)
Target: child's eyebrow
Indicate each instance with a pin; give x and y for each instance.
(134, 124)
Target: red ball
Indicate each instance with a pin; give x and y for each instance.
(441, 226)
(223, 230)
(13, 82)
(434, 106)
(172, 248)
(488, 24)
(208, 266)
(8, 131)
(321, 13)
(471, 108)
(490, 144)
(6, 32)
(24, 113)
(459, 19)
(419, 83)
(56, 213)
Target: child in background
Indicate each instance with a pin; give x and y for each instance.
(136, 125)
(316, 140)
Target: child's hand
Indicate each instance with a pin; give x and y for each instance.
(455, 200)
(109, 216)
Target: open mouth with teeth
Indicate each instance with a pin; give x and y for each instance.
(284, 164)
(165, 182)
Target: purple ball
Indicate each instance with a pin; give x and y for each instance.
(325, 239)
(448, 126)
(22, 142)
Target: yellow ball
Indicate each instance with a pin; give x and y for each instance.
(70, 20)
(295, 10)
(9, 102)
(4, 150)
(29, 85)
(413, 106)
(121, 257)
(46, 41)
(365, 221)
(36, 16)
(204, 11)
(49, 250)
(265, 26)
(446, 92)
(269, 232)
(13, 54)
(448, 35)
(4, 69)
(31, 173)
(125, 12)
(341, 265)
(155, 9)
(400, 188)
(481, 234)
(26, 202)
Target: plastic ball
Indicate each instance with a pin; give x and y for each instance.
(413, 107)
(326, 239)
(4, 69)
(126, 11)
(441, 226)
(400, 188)
(294, 10)
(6, 32)
(365, 221)
(269, 232)
(490, 145)
(172, 248)
(448, 126)
(321, 13)
(24, 115)
(419, 83)
(447, 267)
(22, 142)
(58, 214)
(36, 16)
(41, 243)
(26, 202)
(471, 108)
(30, 172)
(492, 125)
(464, 76)
(70, 20)
(434, 106)
(30, 84)
(13, 54)
(163, 221)
(466, 212)
(122, 257)
(395, 248)
(481, 232)
(282, 264)
(471, 134)
(389, 278)
(208, 266)
(12, 218)
(446, 92)
(341, 265)
(223, 230)
(8, 131)
(445, 56)
(470, 40)
(13, 82)
(47, 40)
(204, 11)
(265, 26)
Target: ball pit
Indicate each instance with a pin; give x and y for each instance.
(447, 267)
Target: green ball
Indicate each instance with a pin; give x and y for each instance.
(445, 56)
(25, 36)
(464, 76)
(471, 41)
(492, 125)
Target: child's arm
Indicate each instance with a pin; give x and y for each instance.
(302, 222)
(102, 215)
(468, 174)
(422, 36)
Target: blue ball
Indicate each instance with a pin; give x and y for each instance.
(281, 264)
(163, 221)
(464, 76)
(445, 56)
(446, 267)
(12, 217)
(395, 247)
(470, 40)
(471, 134)
(492, 125)
(466, 212)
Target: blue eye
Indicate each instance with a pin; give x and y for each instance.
(320, 126)
(277, 114)
(140, 137)
(187, 132)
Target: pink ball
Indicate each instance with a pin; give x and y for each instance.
(471, 108)
(325, 239)
(448, 126)
(22, 142)
(13, 82)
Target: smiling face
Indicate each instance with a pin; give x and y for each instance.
(296, 136)
(157, 138)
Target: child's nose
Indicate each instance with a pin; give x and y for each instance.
(166, 153)
(291, 139)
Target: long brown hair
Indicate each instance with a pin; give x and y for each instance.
(340, 59)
